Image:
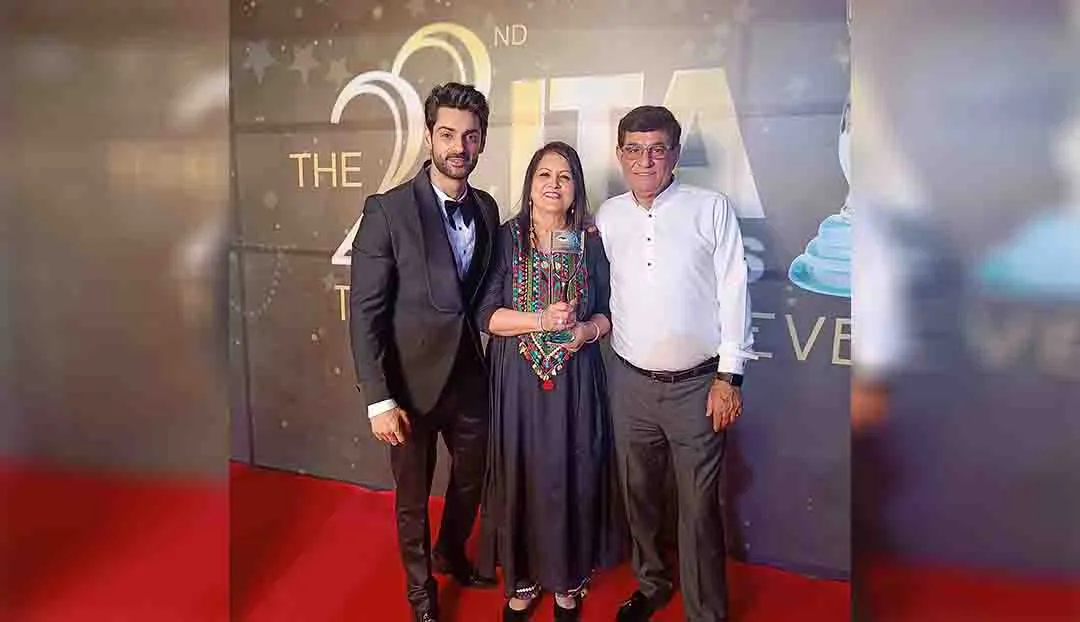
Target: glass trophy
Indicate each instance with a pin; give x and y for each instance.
(567, 256)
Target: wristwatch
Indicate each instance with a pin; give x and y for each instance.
(734, 380)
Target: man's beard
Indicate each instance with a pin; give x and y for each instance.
(444, 168)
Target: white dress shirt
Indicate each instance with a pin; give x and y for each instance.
(462, 243)
(462, 238)
(678, 280)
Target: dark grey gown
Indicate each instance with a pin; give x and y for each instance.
(551, 512)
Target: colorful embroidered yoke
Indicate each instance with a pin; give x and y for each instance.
(532, 274)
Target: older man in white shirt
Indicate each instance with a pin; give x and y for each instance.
(681, 331)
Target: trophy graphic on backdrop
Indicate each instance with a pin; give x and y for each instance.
(825, 266)
(567, 258)
(1039, 261)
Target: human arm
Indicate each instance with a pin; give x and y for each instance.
(733, 297)
(373, 277)
(495, 319)
(598, 324)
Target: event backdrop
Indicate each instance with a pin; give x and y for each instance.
(326, 109)
(967, 157)
(114, 192)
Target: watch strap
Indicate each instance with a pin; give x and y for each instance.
(734, 380)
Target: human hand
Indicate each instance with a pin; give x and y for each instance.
(869, 405)
(560, 316)
(391, 427)
(724, 404)
(582, 332)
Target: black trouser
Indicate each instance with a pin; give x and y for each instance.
(659, 425)
(461, 417)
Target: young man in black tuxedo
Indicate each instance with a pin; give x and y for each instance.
(419, 258)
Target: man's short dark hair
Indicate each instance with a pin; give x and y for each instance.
(459, 96)
(650, 119)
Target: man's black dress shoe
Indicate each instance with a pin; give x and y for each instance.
(426, 617)
(639, 608)
(462, 572)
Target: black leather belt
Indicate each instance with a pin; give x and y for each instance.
(706, 368)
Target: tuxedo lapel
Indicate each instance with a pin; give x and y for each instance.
(442, 277)
(490, 226)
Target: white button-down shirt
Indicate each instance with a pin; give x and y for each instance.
(678, 280)
(462, 243)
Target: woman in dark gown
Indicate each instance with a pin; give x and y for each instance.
(551, 514)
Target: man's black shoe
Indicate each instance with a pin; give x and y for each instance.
(639, 608)
(462, 572)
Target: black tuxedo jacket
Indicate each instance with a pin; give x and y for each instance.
(409, 311)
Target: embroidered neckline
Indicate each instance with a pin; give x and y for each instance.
(530, 288)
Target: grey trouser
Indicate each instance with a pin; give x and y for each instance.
(658, 424)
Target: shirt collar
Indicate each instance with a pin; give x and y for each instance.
(443, 197)
(664, 196)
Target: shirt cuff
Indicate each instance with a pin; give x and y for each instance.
(378, 408)
(734, 362)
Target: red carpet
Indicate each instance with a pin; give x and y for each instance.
(77, 547)
(118, 548)
(307, 549)
(900, 593)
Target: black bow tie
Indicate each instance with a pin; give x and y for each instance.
(465, 207)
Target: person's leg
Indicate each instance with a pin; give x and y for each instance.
(464, 427)
(525, 592)
(697, 456)
(642, 455)
(570, 599)
(413, 466)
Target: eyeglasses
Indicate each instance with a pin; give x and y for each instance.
(634, 151)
